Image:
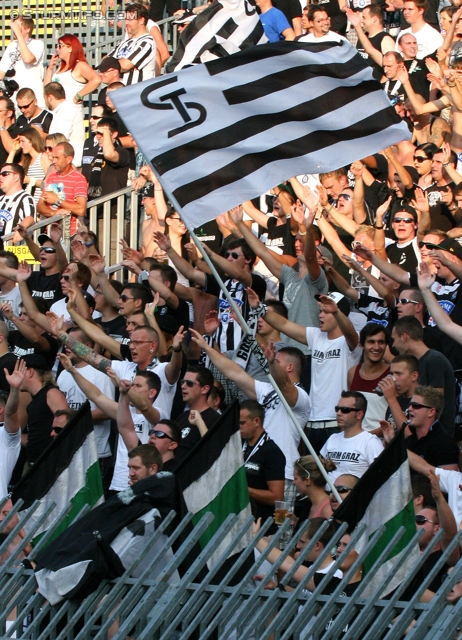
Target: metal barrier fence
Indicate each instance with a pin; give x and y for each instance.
(171, 608)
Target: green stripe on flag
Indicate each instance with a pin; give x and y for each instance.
(233, 498)
(405, 518)
(88, 494)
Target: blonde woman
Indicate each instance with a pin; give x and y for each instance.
(33, 158)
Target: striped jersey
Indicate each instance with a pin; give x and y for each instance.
(140, 51)
(15, 208)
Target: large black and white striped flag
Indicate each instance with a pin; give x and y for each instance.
(223, 28)
(223, 132)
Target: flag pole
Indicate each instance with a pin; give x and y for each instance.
(247, 330)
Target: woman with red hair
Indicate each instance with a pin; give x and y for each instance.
(73, 73)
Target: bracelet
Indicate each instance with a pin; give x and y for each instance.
(330, 208)
(2, 128)
(451, 85)
(79, 97)
(301, 233)
(177, 350)
(445, 164)
(376, 227)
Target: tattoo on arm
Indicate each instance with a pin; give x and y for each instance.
(86, 353)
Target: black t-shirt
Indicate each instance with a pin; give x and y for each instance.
(107, 177)
(290, 8)
(39, 419)
(43, 119)
(280, 237)
(435, 371)
(376, 42)
(405, 255)
(422, 573)
(90, 150)
(436, 448)
(418, 77)
(123, 131)
(210, 234)
(181, 313)
(117, 329)
(21, 346)
(46, 287)
(404, 404)
(190, 435)
(265, 464)
(375, 309)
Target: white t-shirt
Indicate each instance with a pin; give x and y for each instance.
(449, 483)
(376, 409)
(10, 446)
(428, 40)
(330, 36)
(27, 75)
(352, 456)
(68, 120)
(76, 398)
(330, 361)
(59, 307)
(13, 298)
(142, 426)
(279, 426)
(127, 370)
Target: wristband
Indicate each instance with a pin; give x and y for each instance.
(376, 227)
(79, 97)
(445, 164)
(301, 233)
(177, 350)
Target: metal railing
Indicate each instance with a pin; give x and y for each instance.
(163, 608)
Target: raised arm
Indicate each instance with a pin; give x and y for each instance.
(86, 353)
(27, 300)
(258, 247)
(228, 367)
(94, 331)
(446, 518)
(291, 329)
(98, 266)
(232, 269)
(258, 216)
(92, 392)
(183, 266)
(442, 319)
(346, 327)
(15, 379)
(31, 333)
(391, 270)
(372, 280)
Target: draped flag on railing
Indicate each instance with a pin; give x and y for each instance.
(383, 497)
(228, 130)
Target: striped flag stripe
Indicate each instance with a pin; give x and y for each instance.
(260, 123)
(225, 467)
(265, 52)
(245, 165)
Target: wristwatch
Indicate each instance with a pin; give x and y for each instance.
(2, 128)
(59, 202)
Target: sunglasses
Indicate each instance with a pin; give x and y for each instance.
(174, 218)
(6, 173)
(66, 278)
(21, 107)
(47, 250)
(340, 490)
(406, 301)
(188, 383)
(57, 429)
(233, 255)
(417, 405)
(420, 158)
(95, 117)
(124, 298)
(299, 464)
(345, 196)
(48, 148)
(345, 409)
(422, 520)
(159, 434)
(406, 220)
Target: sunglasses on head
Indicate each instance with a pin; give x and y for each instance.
(47, 249)
(422, 520)
(405, 220)
(345, 409)
(340, 490)
(233, 255)
(299, 464)
(159, 434)
(418, 405)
